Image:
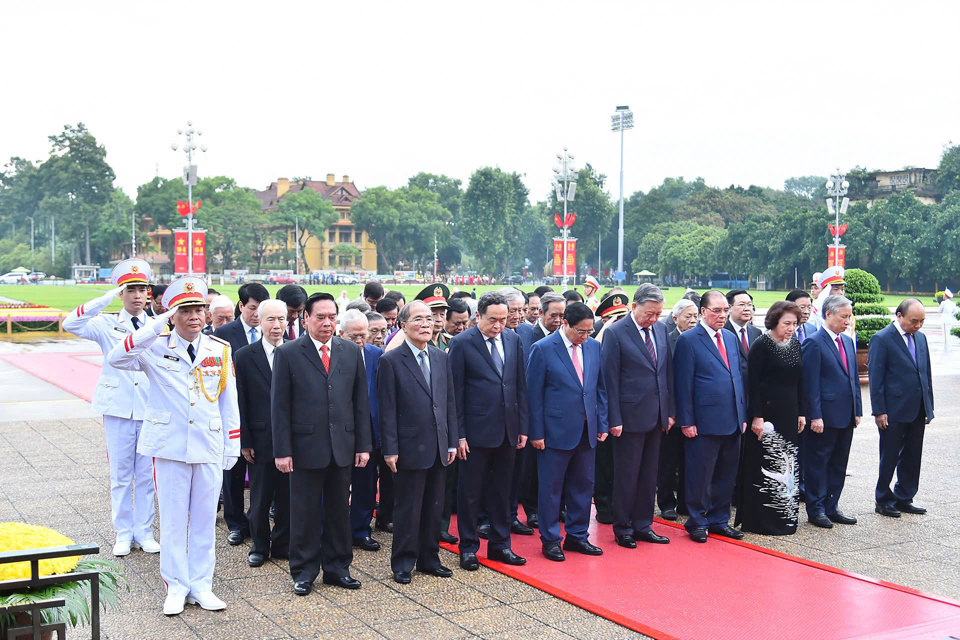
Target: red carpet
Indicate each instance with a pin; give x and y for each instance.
(728, 589)
(723, 589)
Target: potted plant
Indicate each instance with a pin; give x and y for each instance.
(869, 314)
(18, 536)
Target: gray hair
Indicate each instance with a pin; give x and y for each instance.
(833, 304)
(220, 302)
(373, 316)
(681, 306)
(472, 305)
(268, 304)
(509, 293)
(647, 293)
(549, 298)
(350, 316)
(404, 315)
(360, 305)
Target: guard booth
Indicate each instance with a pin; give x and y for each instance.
(84, 272)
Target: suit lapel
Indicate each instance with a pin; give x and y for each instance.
(835, 350)
(705, 338)
(903, 346)
(661, 342)
(637, 339)
(480, 342)
(565, 358)
(336, 350)
(411, 362)
(260, 358)
(436, 370)
(310, 351)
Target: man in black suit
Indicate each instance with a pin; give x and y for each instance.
(638, 375)
(901, 395)
(740, 323)
(321, 429)
(239, 333)
(295, 297)
(491, 399)
(418, 430)
(254, 366)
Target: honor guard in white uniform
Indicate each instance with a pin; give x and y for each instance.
(590, 288)
(121, 397)
(191, 427)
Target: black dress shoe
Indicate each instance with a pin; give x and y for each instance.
(582, 546)
(650, 536)
(533, 520)
(235, 537)
(386, 527)
(669, 514)
(506, 556)
(367, 544)
(909, 507)
(887, 510)
(841, 518)
(553, 552)
(403, 577)
(439, 571)
(302, 588)
(521, 529)
(255, 559)
(604, 517)
(563, 516)
(483, 531)
(726, 531)
(344, 582)
(449, 538)
(627, 541)
(698, 534)
(468, 561)
(820, 520)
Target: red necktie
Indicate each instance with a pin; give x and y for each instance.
(743, 339)
(325, 357)
(723, 350)
(843, 355)
(290, 332)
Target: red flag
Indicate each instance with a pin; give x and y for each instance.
(556, 220)
(571, 218)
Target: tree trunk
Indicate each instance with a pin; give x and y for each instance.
(88, 243)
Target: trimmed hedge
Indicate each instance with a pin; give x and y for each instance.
(863, 289)
(870, 310)
(863, 298)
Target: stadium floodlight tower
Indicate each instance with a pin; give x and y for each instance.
(621, 121)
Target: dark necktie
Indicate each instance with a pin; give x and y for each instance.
(912, 346)
(843, 355)
(800, 335)
(650, 347)
(191, 352)
(424, 367)
(136, 323)
(495, 354)
(743, 339)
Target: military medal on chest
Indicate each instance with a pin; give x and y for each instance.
(213, 367)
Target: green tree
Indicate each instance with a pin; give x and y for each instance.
(494, 210)
(157, 200)
(346, 254)
(229, 221)
(113, 225)
(312, 212)
(812, 187)
(948, 173)
(594, 210)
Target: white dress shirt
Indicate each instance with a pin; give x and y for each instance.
(833, 337)
(185, 343)
(544, 329)
(713, 335)
(318, 344)
(903, 334)
(495, 341)
(268, 349)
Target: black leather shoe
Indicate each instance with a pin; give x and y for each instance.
(604, 518)
(563, 516)
(520, 529)
(235, 537)
(506, 556)
(841, 518)
(483, 531)
(669, 514)
(367, 544)
(255, 560)
(553, 552)
(627, 541)
(386, 527)
(582, 546)
(650, 536)
(439, 571)
(820, 520)
(887, 510)
(726, 531)
(909, 507)
(344, 582)
(533, 521)
(698, 535)
(402, 577)
(449, 538)
(302, 588)
(468, 561)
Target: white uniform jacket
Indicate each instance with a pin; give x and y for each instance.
(121, 394)
(181, 422)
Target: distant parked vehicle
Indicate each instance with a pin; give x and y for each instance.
(12, 278)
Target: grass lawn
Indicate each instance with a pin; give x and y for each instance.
(68, 297)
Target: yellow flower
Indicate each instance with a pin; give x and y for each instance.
(17, 536)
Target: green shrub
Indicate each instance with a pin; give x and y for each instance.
(938, 297)
(955, 331)
(870, 310)
(863, 289)
(864, 298)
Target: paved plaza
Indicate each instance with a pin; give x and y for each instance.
(53, 472)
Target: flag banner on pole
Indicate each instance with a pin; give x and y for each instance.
(199, 251)
(180, 262)
(571, 256)
(558, 256)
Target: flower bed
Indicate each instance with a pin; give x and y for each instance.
(27, 316)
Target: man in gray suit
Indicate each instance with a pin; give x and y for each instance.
(418, 428)
(638, 373)
(321, 429)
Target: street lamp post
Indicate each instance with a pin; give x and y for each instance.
(189, 179)
(837, 187)
(621, 121)
(30, 218)
(565, 183)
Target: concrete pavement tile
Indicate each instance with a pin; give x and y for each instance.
(261, 585)
(356, 633)
(597, 627)
(148, 624)
(512, 592)
(370, 591)
(433, 627)
(538, 632)
(462, 598)
(492, 620)
(395, 608)
(881, 557)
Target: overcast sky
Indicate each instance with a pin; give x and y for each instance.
(735, 92)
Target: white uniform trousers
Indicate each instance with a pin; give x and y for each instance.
(131, 480)
(188, 495)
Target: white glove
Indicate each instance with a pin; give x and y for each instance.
(229, 461)
(160, 322)
(113, 293)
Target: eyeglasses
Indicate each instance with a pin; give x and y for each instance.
(744, 305)
(805, 307)
(582, 332)
(421, 320)
(720, 312)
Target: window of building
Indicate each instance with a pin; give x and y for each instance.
(331, 236)
(358, 237)
(345, 236)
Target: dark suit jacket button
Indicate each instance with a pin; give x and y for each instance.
(331, 406)
(329, 386)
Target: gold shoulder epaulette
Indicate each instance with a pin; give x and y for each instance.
(220, 340)
(165, 332)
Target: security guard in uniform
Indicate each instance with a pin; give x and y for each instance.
(191, 426)
(121, 397)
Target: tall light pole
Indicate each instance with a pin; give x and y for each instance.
(837, 187)
(30, 218)
(565, 183)
(621, 121)
(189, 179)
